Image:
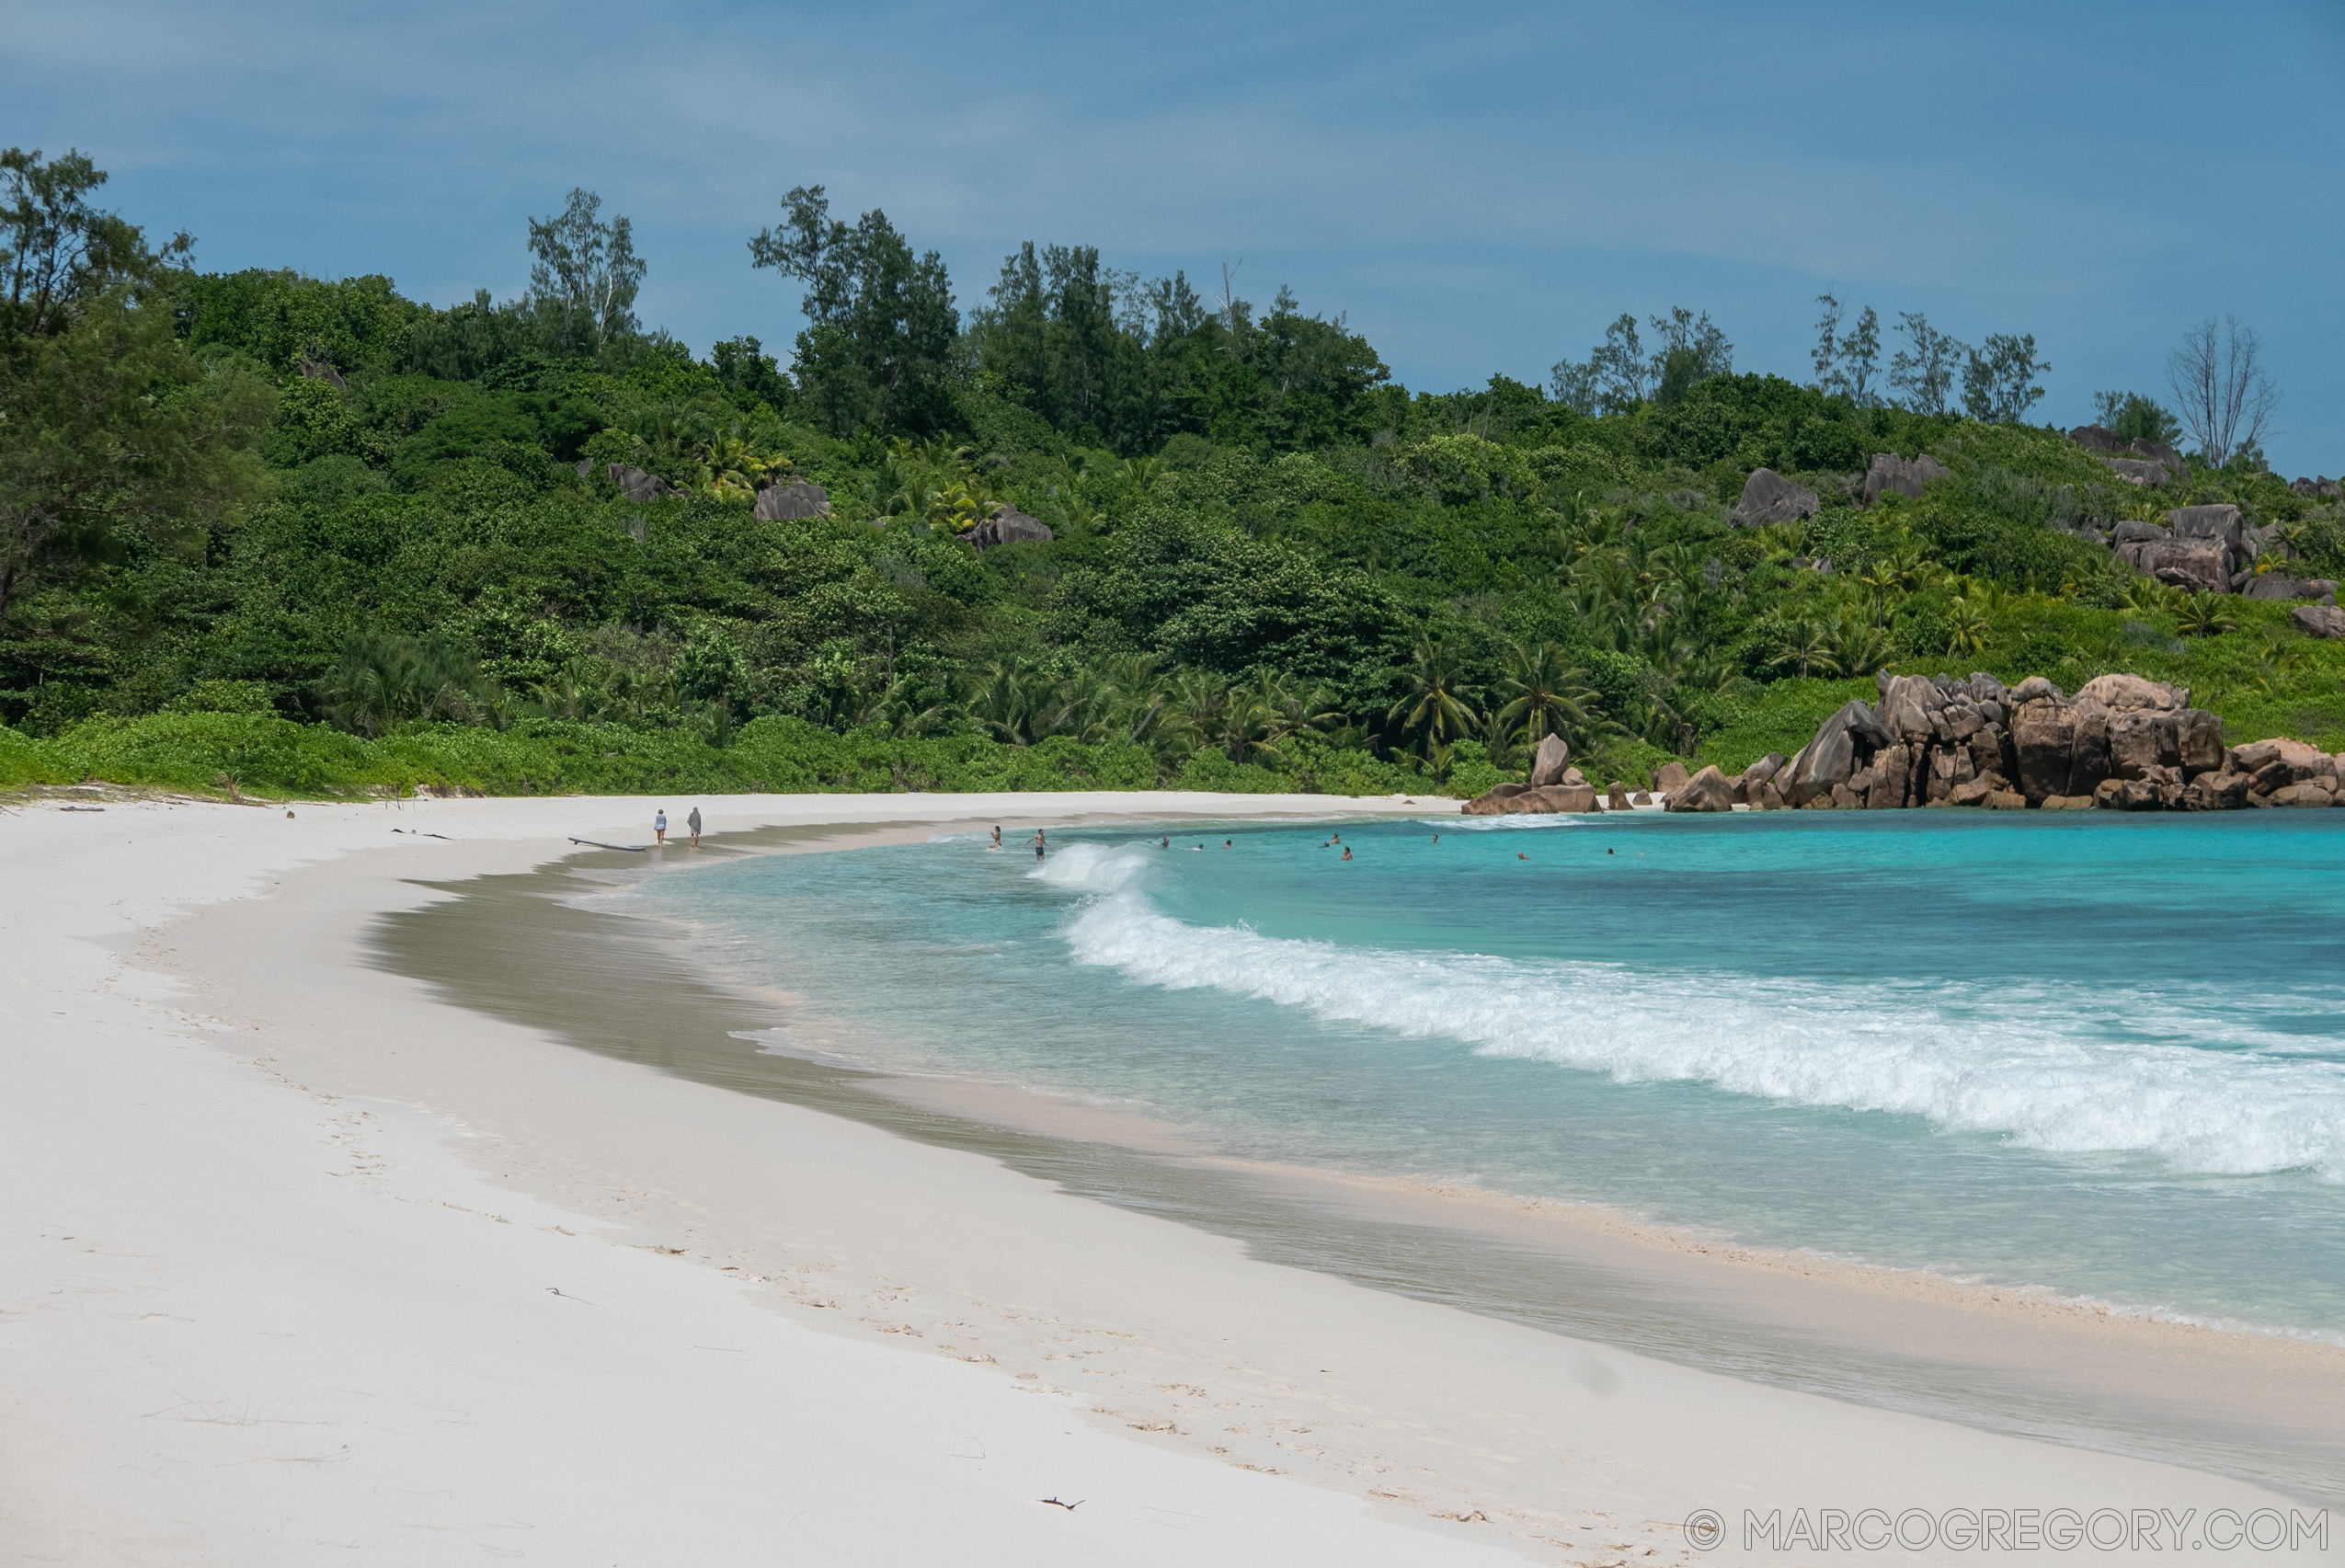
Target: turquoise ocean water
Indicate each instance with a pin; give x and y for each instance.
(2098, 1053)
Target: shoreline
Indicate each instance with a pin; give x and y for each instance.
(1067, 1115)
(2004, 1355)
(1460, 1435)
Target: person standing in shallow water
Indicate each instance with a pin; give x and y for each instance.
(693, 824)
(659, 825)
(1040, 844)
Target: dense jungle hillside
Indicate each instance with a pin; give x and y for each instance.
(269, 533)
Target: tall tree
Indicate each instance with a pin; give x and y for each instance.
(1829, 378)
(1613, 378)
(56, 250)
(879, 349)
(1689, 351)
(2131, 416)
(1924, 370)
(2000, 378)
(2221, 392)
(110, 428)
(584, 280)
(1860, 360)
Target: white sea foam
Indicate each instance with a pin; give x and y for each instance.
(2045, 1063)
(1093, 868)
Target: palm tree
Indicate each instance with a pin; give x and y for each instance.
(1804, 644)
(1602, 591)
(894, 709)
(1547, 694)
(2204, 616)
(1009, 702)
(1194, 699)
(1435, 699)
(2147, 596)
(382, 681)
(1859, 648)
(1967, 626)
(1082, 706)
(1985, 592)
(1282, 710)
(1785, 539)
(734, 462)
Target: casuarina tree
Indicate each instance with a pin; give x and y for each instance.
(878, 349)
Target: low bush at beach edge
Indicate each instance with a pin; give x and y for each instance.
(236, 755)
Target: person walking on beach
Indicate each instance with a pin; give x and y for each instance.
(692, 822)
(1040, 844)
(659, 825)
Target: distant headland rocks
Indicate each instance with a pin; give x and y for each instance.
(2121, 743)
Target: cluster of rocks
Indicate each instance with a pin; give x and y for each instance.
(1008, 525)
(1768, 497)
(2142, 461)
(1555, 786)
(1938, 741)
(785, 503)
(2211, 549)
(2324, 485)
(633, 482)
(2121, 743)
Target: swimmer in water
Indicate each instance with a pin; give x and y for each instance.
(997, 838)
(1347, 851)
(1165, 843)
(1225, 844)
(1040, 844)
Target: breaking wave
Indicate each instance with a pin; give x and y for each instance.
(2049, 1064)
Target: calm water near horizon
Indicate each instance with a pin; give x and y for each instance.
(2102, 1055)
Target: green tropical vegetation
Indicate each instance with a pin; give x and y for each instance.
(267, 532)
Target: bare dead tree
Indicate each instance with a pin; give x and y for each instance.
(2221, 390)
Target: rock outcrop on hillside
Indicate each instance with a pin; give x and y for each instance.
(2145, 461)
(1768, 497)
(633, 483)
(1906, 475)
(1008, 525)
(2121, 743)
(784, 503)
(2280, 585)
(2319, 620)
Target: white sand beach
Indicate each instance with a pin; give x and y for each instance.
(301, 1264)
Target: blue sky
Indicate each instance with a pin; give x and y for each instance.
(1480, 190)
